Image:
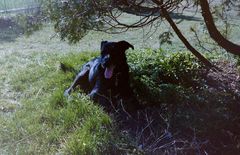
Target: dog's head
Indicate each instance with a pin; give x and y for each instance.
(113, 55)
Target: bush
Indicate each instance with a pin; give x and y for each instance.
(158, 76)
(176, 68)
(205, 114)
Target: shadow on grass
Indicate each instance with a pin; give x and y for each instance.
(185, 17)
(9, 30)
(196, 123)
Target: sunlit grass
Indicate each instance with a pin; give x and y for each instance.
(36, 119)
(46, 121)
(11, 4)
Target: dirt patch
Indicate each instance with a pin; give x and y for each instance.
(226, 80)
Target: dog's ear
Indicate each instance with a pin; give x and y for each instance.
(103, 44)
(124, 45)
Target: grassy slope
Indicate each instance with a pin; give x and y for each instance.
(46, 122)
(17, 51)
(11, 4)
(27, 80)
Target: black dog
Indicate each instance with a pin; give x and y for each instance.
(108, 73)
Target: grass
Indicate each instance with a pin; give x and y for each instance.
(48, 120)
(12, 4)
(48, 123)
(36, 119)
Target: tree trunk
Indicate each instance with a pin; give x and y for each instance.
(213, 31)
(183, 39)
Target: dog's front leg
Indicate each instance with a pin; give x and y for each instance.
(68, 91)
(80, 78)
(99, 93)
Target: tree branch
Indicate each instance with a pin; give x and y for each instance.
(213, 31)
(183, 39)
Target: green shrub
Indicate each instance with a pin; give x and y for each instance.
(169, 81)
(158, 76)
(175, 68)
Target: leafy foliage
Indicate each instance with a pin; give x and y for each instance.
(29, 23)
(74, 18)
(156, 73)
(165, 37)
(202, 113)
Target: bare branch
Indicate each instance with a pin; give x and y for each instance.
(213, 31)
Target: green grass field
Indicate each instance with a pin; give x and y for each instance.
(36, 119)
(12, 4)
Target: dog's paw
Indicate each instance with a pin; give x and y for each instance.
(93, 95)
(66, 93)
